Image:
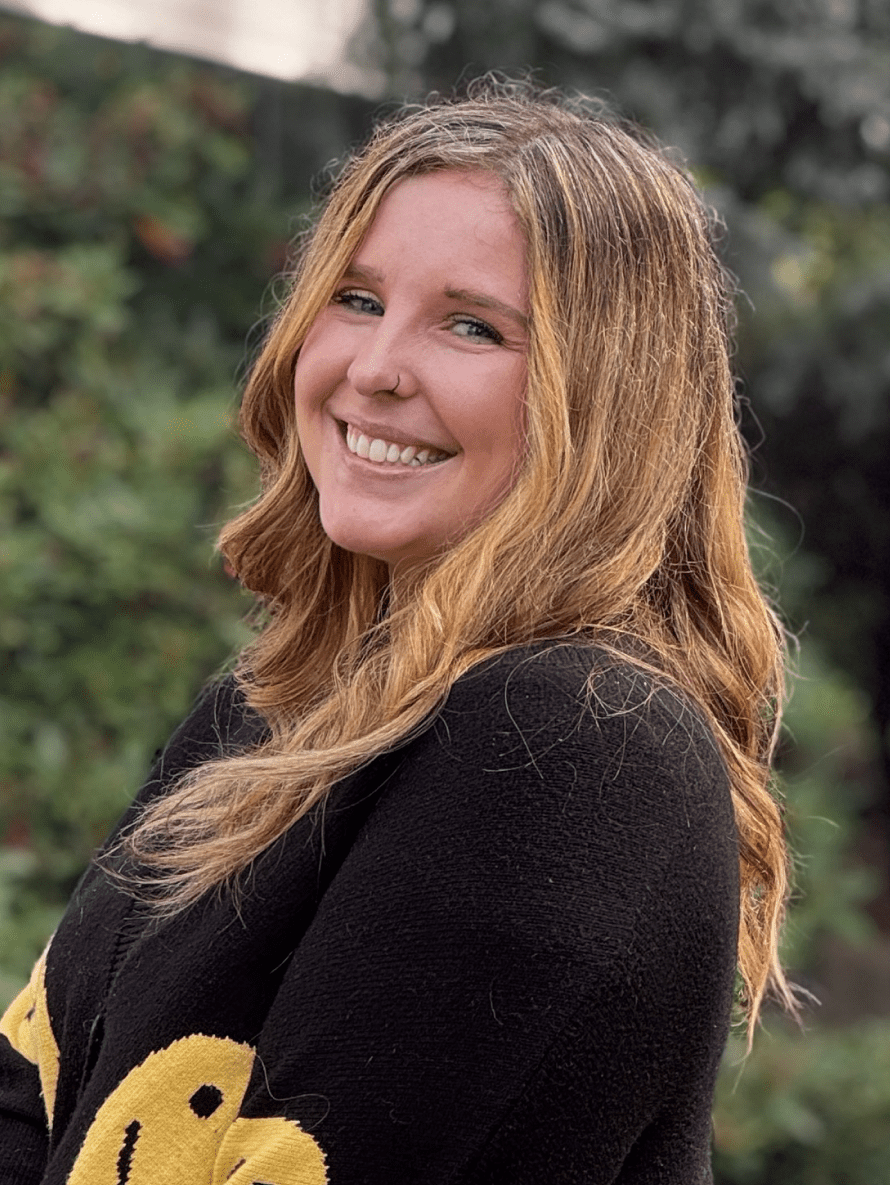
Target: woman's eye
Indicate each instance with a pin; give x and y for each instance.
(469, 327)
(361, 302)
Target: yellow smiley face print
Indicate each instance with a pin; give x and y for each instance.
(174, 1119)
(27, 1027)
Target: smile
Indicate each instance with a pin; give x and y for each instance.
(389, 453)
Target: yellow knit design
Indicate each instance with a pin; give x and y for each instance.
(173, 1119)
(27, 1026)
(270, 1150)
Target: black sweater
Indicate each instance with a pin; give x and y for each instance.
(504, 953)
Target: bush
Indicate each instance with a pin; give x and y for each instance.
(137, 241)
(805, 1107)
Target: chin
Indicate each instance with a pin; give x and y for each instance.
(391, 550)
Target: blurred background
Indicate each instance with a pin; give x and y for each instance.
(155, 162)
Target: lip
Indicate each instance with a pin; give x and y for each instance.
(377, 471)
(373, 430)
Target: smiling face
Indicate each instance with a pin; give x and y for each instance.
(410, 384)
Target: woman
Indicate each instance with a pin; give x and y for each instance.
(449, 882)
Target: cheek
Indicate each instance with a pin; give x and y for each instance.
(502, 420)
(310, 391)
(306, 378)
(318, 368)
(310, 395)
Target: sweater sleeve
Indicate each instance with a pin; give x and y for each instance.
(523, 970)
(25, 1035)
(29, 1054)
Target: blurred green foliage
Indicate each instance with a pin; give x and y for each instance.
(812, 1104)
(135, 247)
(827, 760)
(812, 1109)
(145, 204)
(828, 750)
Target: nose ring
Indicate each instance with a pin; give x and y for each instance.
(396, 388)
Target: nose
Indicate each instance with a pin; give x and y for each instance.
(382, 365)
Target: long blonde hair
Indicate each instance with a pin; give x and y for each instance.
(631, 496)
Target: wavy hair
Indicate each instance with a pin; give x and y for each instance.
(631, 493)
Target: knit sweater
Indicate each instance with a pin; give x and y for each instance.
(504, 952)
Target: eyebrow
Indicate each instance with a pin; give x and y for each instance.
(479, 299)
(487, 302)
(357, 272)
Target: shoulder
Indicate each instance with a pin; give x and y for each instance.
(564, 756)
(556, 674)
(561, 803)
(565, 700)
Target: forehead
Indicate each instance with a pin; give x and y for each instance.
(458, 223)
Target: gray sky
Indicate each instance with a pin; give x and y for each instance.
(282, 38)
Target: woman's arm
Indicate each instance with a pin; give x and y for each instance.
(29, 1054)
(29, 1059)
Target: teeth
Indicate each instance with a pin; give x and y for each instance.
(386, 451)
